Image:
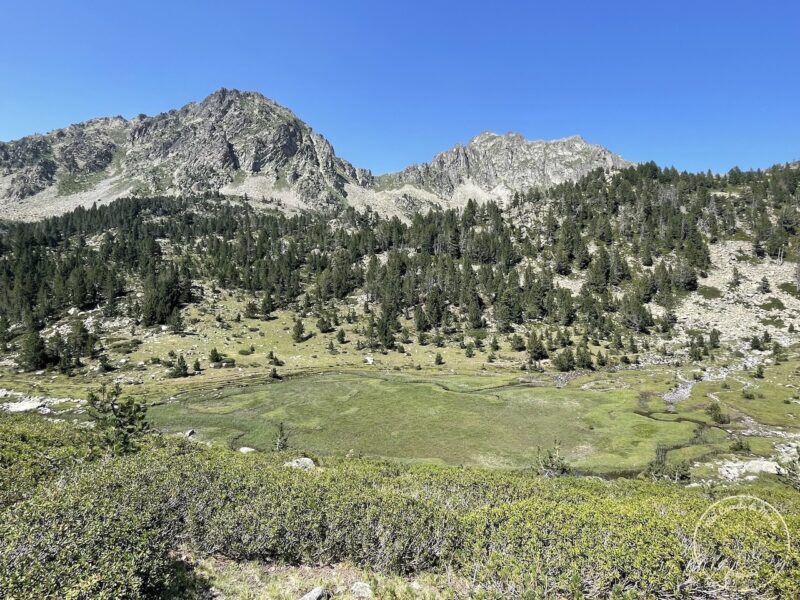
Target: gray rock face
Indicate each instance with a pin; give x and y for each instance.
(508, 162)
(243, 144)
(206, 146)
(228, 141)
(35, 163)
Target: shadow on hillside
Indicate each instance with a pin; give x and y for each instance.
(188, 584)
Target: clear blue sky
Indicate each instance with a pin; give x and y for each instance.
(697, 85)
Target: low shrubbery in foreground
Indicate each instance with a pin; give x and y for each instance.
(111, 527)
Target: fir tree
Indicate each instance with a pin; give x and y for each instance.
(33, 354)
(536, 349)
(298, 331)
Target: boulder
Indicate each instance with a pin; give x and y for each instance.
(246, 450)
(304, 463)
(318, 593)
(361, 590)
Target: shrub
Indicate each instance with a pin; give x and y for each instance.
(740, 444)
(33, 450)
(714, 410)
(109, 534)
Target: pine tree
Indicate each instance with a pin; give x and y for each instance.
(5, 333)
(298, 331)
(33, 354)
(583, 358)
(251, 310)
(517, 343)
(565, 360)
(281, 439)
(180, 369)
(119, 422)
(536, 349)
(324, 325)
(736, 279)
(420, 319)
(267, 307)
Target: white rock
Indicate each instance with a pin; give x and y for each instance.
(246, 450)
(733, 470)
(361, 590)
(304, 463)
(22, 405)
(318, 593)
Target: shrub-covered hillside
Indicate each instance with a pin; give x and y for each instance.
(89, 522)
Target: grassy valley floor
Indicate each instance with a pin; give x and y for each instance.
(478, 421)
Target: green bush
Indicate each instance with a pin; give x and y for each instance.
(550, 547)
(33, 450)
(107, 534)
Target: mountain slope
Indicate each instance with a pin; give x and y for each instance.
(243, 144)
(233, 142)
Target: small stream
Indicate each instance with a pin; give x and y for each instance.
(684, 389)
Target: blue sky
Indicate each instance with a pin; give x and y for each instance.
(698, 85)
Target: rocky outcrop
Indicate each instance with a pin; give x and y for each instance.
(318, 593)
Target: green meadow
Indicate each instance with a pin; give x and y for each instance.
(469, 421)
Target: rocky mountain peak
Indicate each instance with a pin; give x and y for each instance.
(493, 165)
(234, 142)
(244, 144)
